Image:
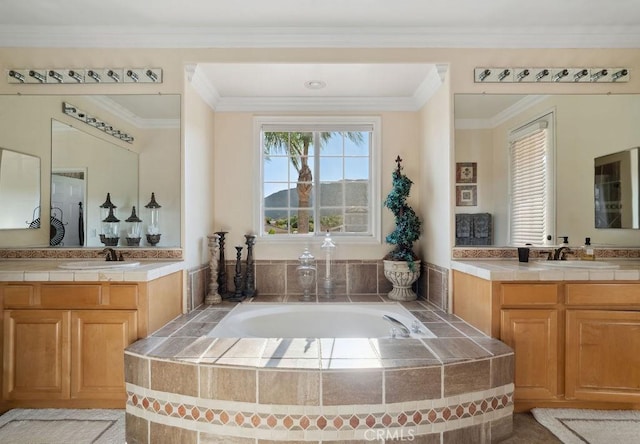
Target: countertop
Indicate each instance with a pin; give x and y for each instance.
(43, 270)
(542, 270)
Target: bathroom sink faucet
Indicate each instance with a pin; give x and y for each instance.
(559, 254)
(112, 256)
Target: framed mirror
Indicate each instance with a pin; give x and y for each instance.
(585, 127)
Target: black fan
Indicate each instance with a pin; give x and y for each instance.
(56, 227)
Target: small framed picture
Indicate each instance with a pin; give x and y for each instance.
(466, 195)
(466, 172)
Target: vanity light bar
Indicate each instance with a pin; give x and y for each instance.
(84, 75)
(82, 116)
(551, 75)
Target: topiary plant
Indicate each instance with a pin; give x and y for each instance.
(407, 229)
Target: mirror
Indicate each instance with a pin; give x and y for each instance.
(84, 168)
(616, 190)
(87, 163)
(19, 189)
(586, 127)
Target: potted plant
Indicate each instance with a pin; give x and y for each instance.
(402, 266)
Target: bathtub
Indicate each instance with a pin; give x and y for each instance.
(320, 320)
(278, 383)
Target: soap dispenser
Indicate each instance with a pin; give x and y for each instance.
(587, 253)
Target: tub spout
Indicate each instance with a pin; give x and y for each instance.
(404, 331)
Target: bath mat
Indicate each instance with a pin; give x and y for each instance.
(58, 426)
(591, 426)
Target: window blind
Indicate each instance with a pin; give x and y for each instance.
(529, 206)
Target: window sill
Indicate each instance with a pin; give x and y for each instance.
(302, 239)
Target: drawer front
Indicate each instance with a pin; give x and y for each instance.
(603, 294)
(18, 296)
(70, 296)
(122, 296)
(528, 294)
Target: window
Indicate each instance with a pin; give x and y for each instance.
(318, 175)
(532, 203)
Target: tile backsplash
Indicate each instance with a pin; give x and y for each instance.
(89, 253)
(277, 279)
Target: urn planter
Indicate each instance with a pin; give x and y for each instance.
(402, 278)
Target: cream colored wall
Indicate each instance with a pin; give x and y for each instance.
(435, 165)
(199, 186)
(477, 146)
(235, 172)
(461, 64)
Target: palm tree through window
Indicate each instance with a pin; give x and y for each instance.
(316, 181)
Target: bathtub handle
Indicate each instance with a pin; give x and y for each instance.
(404, 331)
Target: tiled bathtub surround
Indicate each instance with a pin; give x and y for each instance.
(277, 279)
(183, 385)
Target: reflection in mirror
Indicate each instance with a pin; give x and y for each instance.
(19, 189)
(84, 168)
(617, 190)
(153, 119)
(586, 127)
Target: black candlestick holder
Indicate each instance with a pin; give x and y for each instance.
(222, 266)
(249, 278)
(237, 278)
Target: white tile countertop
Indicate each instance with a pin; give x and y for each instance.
(43, 270)
(541, 270)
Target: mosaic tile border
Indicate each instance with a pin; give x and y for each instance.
(303, 423)
(512, 253)
(88, 253)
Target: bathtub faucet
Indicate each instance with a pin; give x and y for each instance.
(404, 331)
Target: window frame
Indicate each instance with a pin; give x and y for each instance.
(548, 117)
(321, 123)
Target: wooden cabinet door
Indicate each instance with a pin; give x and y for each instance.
(603, 355)
(36, 354)
(98, 340)
(533, 334)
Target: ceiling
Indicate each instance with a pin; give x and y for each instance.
(317, 86)
(373, 23)
(310, 23)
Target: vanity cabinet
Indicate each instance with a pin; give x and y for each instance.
(576, 344)
(529, 324)
(43, 346)
(63, 343)
(603, 342)
(36, 354)
(533, 335)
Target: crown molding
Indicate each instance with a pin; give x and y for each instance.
(202, 85)
(503, 116)
(329, 37)
(429, 85)
(315, 104)
(105, 103)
